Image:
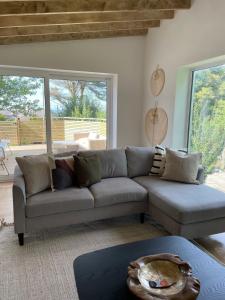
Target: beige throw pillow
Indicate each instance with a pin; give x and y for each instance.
(35, 169)
(180, 167)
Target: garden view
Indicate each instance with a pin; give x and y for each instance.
(78, 115)
(79, 107)
(207, 132)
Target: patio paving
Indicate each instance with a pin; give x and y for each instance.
(58, 147)
(15, 151)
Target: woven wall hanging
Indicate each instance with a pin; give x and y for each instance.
(157, 81)
(156, 125)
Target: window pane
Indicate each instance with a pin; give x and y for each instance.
(78, 109)
(22, 119)
(207, 132)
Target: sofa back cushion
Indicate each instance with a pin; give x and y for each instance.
(113, 162)
(139, 160)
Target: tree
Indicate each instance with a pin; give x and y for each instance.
(2, 117)
(16, 95)
(79, 98)
(208, 115)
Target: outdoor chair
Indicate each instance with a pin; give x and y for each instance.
(5, 143)
(2, 159)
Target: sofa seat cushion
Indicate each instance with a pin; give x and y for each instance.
(112, 191)
(185, 203)
(48, 202)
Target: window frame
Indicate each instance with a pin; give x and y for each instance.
(190, 112)
(47, 74)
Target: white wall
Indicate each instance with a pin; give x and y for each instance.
(194, 35)
(123, 56)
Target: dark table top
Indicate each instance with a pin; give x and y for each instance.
(101, 275)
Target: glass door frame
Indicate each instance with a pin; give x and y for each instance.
(47, 74)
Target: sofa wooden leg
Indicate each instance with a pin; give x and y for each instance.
(21, 239)
(142, 218)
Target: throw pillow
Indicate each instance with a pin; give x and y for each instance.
(35, 169)
(181, 167)
(87, 170)
(159, 160)
(62, 172)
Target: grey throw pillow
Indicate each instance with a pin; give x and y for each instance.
(36, 172)
(181, 167)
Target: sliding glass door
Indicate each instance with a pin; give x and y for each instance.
(22, 119)
(54, 112)
(79, 114)
(207, 122)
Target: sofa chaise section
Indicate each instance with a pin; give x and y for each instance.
(185, 209)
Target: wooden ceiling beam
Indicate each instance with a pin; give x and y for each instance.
(83, 17)
(48, 6)
(71, 28)
(22, 39)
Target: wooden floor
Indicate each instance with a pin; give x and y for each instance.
(215, 244)
(6, 205)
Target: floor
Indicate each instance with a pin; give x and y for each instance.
(6, 205)
(216, 180)
(43, 268)
(215, 244)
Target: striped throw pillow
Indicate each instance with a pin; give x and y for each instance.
(159, 161)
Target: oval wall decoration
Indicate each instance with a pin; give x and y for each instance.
(156, 125)
(157, 81)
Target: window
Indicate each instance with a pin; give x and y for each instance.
(207, 122)
(54, 111)
(78, 111)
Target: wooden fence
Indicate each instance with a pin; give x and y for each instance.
(25, 132)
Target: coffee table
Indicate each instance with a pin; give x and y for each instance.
(101, 275)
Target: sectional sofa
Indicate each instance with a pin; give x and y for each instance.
(126, 188)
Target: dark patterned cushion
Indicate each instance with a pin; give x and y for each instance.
(63, 173)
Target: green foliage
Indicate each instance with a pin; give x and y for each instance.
(81, 99)
(2, 117)
(16, 95)
(208, 115)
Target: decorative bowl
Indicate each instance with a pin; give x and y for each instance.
(163, 276)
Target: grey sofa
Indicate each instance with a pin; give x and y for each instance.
(126, 188)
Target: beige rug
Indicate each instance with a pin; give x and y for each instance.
(43, 268)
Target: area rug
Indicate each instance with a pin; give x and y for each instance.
(214, 245)
(43, 268)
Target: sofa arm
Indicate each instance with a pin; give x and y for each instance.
(19, 201)
(201, 175)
